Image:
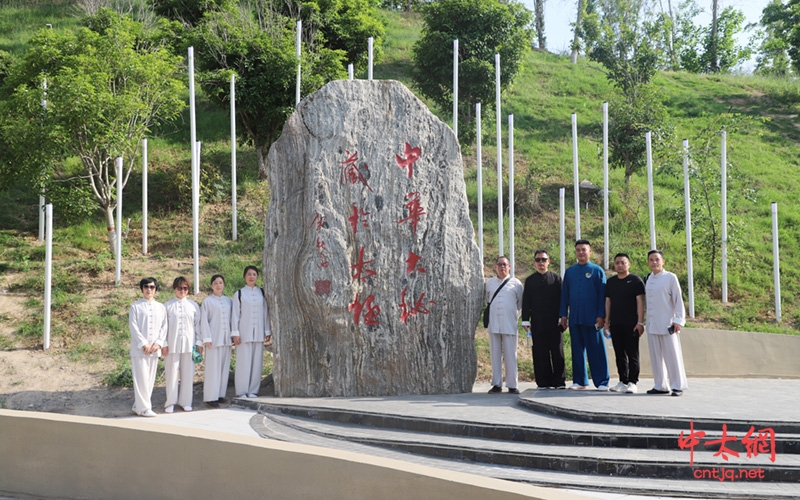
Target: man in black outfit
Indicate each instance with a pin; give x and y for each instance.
(541, 299)
(625, 311)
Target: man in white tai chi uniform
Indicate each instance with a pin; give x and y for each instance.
(505, 309)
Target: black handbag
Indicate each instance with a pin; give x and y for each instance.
(489, 305)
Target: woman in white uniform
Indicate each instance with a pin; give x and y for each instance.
(250, 330)
(183, 319)
(215, 330)
(147, 321)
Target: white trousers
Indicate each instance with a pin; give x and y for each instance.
(143, 370)
(179, 372)
(504, 346)
(666, 359)
(249, 361)
(218, 371)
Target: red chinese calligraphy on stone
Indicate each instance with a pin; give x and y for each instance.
(322, 287)
(320, 244)
(414, 210)
(411, 263)
(370, 311)
(359, 267)
(353, 173)
(319, 221)
(690, 441)
(418, 307)
(723, 451)
(763, 442)
(359, 215)
(410, 156)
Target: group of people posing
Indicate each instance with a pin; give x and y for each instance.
(589, 305)
(180, 328)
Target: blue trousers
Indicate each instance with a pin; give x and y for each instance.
(588, 343)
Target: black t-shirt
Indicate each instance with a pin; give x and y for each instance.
(623, 293)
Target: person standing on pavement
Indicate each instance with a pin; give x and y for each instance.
(625, 306)
(147, 321)
(250, 330)
(183, 333)
(540, 303)
(215, 331)
(504, 295)
(583, 311)
(665, 318)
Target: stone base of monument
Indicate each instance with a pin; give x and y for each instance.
(569, 439)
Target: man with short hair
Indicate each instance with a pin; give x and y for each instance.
(504, 293)
(665, 318)
(583, 301)
(625, 305)
(540, 302)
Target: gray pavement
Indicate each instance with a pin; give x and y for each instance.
(717, 400)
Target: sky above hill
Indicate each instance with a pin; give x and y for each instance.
(560, 13)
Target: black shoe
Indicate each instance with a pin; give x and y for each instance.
(677, 392)
(222, 400)
(513, 391)
(212, 404)
(656, 391)
(496, 389)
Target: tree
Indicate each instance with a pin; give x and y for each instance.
(576, 30)
(483, 28)
(778, 53)
(259, 50)
(106, 87)
(711, 49)
(538, 15)
(621, 42)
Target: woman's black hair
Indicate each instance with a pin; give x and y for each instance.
(254, 268)
(180, 280)
(147, 281)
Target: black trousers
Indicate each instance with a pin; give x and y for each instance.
(548, 357)
(626, 349)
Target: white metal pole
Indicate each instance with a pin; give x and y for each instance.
(724, 215)
(297, 44)
(196, 221)
(350, 72)
(370, 44)
(48, 273)
(562, 235)
(144, 196)
(234, 209)
(500, 242)
(650, 201)
(776, 266)
(42, 200)
(511, 192)
(479, 154)
(195, 169)
(118, 274)
(455, 87)
(687, 202)
(605, 187)
(576, 177)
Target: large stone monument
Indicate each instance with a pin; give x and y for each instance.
(373, 278)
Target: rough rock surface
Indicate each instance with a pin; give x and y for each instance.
(372, 274)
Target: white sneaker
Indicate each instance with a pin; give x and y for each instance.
(603, 388)
(187, 408)
(147, 413)
(243, 396)
(577, 387)
(169, 409)
(632, 389)
(252, 395)
(620, 387)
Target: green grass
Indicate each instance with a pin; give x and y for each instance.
(542, 98)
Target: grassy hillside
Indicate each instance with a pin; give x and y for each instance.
(90, 313)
